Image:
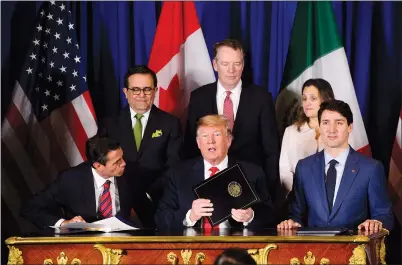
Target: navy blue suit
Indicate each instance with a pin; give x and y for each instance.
(362, 193)
(178, 195)
(72, 194)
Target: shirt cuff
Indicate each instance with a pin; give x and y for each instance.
(58, 224)
(252, 217)
(187, 221)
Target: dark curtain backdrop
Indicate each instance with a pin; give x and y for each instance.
(116, 35)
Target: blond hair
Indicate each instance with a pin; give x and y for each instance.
(214, 120)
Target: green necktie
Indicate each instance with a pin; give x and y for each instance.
(138, 130)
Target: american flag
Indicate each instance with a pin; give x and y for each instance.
(51, 113)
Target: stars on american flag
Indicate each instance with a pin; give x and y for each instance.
(33, 56)
(55, 46)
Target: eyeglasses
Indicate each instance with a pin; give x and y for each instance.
(137, 90)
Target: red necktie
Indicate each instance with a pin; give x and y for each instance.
(206, 225)
(228, 109)
(105, 207)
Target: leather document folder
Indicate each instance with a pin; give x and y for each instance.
(228, 189)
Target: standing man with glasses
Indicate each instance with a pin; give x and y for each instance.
(151, 140)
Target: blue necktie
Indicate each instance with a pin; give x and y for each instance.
(330, 183)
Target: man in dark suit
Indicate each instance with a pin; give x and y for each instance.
(179, 207)
(88, 192)
(339, 187)
(151, 140)
(249, 109)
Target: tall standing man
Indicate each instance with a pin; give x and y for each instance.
(151, 140)
(248, 108)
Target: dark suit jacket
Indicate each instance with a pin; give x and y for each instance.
(156, 154)
(71, 194)
(362, 193)
(255, 129)
(178, 195)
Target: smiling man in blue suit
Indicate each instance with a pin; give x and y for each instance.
(339, 187)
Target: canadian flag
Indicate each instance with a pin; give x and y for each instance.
(179, 56)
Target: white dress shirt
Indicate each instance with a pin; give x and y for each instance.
(295, 146)
(144, 120)
(207, 173)
(98, 186)
(234, 96)
(340, 167)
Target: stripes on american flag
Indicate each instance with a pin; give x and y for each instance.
(51, 114)
(395, 173)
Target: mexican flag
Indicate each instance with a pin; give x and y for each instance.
(316, 51)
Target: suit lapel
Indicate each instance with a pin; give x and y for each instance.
(198, 171)
(123, 195)
(128, 134)
(88, 191)
(151, 126)
(212, 97)
(348, 177)
(241, 113)
(318, 172)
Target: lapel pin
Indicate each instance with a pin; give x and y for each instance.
(353, 170)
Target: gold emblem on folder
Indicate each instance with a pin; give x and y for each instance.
(234, 189)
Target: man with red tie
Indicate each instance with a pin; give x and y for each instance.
(88, 192)
(180, 208)
(248, 108)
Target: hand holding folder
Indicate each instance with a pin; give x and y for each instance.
(229, 189)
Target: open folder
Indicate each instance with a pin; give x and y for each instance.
(111, 224)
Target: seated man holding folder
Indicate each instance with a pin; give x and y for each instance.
(339, 187)
(179, 206)
(88, 192)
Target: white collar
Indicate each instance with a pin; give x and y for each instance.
(99, 180)
(221, 166)
(341, 158)
(146, 114)
(235, 91)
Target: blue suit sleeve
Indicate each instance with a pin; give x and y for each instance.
(298, 205)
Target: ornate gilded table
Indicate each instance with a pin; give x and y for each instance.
(190, 246)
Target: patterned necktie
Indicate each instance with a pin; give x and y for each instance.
(205, 224)
(228, 109)
(138, 130)
(105, 207)
(330, 183)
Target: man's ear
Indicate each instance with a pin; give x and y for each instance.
(215, 64)
(97, 166)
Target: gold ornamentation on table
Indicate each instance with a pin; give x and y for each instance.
(62, 259)
(261, 255)
(294, 261)
(15, 256)
(360, 238)
(110, 256)
(382, 251)
(234, 189)
(172, 258)
(199, 258)
(324, 261)
(359, 255)
(186, 255)
(309, 259)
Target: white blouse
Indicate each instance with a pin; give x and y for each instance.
(295, 146)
